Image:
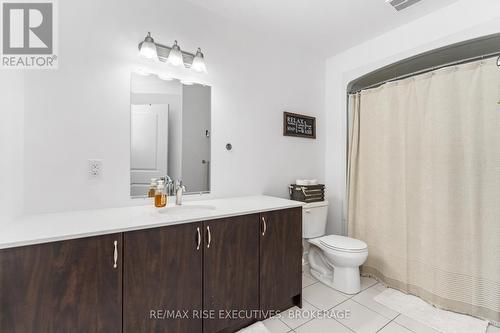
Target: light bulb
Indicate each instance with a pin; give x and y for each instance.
(175, 56)
(148, 48)
(199, 62)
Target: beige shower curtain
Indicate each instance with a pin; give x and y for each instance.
(424, 185)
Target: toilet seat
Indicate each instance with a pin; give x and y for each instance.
(343, 244)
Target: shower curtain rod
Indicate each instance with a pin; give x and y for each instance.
(427, 70)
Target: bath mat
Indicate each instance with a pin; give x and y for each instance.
(255, 328)
(419, 310)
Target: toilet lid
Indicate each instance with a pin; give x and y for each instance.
(342, 243)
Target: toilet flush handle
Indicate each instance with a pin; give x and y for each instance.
(308, 211)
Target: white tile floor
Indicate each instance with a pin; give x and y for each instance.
(366, 315)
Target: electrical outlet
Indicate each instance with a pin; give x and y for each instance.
(95, 168)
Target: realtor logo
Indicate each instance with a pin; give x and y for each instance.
(28, 31)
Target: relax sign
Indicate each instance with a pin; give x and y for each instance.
(28, 34)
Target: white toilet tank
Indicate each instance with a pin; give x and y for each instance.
(314, 216)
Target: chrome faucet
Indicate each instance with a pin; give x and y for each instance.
(168, 185)
(178, 192)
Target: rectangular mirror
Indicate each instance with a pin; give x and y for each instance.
(170, 134)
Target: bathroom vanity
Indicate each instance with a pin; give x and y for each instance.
(140, 269)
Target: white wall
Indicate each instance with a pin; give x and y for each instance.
(11, 144)
(465, 19)
(81, 110)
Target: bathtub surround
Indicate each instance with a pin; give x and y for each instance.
(424, 185)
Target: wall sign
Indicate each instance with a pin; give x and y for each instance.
(299, 125)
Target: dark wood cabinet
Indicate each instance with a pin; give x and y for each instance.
(230, 274)
(199, 277)
(281, 259)
(67, 286)
(162, 279)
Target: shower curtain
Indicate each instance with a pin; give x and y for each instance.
(424, 185)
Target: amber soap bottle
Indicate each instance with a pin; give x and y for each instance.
(160, 195)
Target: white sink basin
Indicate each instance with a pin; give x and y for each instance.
(186, 209)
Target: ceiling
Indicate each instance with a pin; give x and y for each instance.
(325, 26)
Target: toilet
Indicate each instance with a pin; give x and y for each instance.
(334, 260)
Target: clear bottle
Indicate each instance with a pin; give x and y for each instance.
(160, 195)
(152, 188)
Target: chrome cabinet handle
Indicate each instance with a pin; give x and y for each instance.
(199, 238)
(265, 226)
(115, 254)
(209, 237)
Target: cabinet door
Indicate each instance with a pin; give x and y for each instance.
(162, 289)
(281, 259)
(67, 286)
(231, 271)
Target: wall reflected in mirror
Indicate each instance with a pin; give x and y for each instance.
(170, 133)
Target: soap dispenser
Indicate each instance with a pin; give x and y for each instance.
(160, 195)
(178, 192)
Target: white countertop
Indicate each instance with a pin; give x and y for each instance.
(43, 228)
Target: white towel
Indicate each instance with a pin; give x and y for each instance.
(258, 327)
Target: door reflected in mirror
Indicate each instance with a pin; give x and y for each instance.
(170, 134)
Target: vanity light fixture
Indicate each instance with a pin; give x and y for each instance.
(199, 62)
(172, 55)
(147, 48)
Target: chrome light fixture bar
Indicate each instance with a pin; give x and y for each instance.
(172, 54)
(399, 5)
